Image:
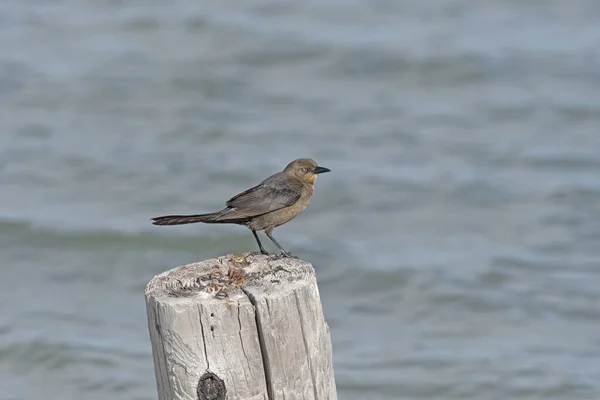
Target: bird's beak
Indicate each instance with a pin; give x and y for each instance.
(320, 170)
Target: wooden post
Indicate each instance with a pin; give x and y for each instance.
(240, 327)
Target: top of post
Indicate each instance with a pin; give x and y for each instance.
(226, 277)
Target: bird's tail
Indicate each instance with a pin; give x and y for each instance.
(184, 219)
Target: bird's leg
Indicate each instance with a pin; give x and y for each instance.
(270, 236)
(260, 246)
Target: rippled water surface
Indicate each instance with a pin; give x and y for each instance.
(456, 240)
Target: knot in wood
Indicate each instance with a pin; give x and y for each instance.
(211, 387)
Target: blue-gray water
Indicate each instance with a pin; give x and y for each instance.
(456, 240)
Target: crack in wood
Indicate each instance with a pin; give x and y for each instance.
(261, 342)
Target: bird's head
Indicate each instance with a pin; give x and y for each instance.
(305, 170)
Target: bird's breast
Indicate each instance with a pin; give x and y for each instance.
(310, 189)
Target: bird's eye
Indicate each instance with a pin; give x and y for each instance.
(305, 169)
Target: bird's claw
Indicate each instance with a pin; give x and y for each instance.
(273, 256)
(285, 254)
(280, 256)
(258, 253)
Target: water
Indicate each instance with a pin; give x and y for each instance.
(455, 240)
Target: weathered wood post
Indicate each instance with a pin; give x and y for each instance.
(240, 327)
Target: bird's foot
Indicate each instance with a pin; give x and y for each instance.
(260, 253)
(285, 254)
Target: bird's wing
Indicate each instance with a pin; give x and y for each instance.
(262, 199)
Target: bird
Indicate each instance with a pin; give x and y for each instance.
(273, 202)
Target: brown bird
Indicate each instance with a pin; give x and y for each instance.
(273, 202)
